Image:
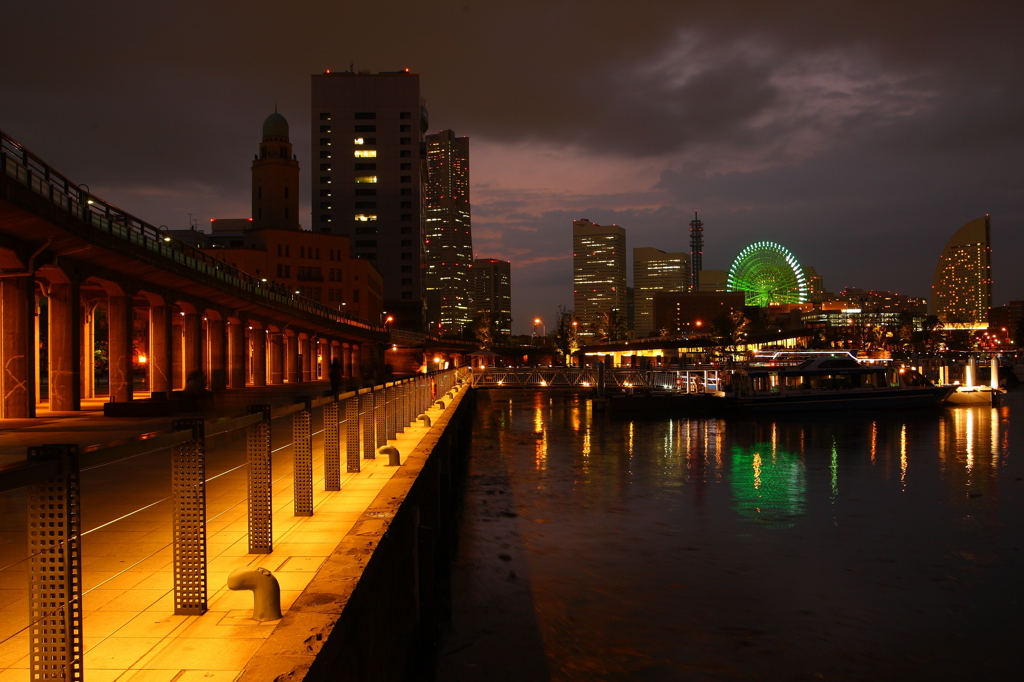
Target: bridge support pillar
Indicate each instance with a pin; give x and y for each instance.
(346, 361)
(276, 352)
(88, 364)
(238, 354)
(216, 369)
(65, 347)
(17, 344)
(119, 347)
(291, 358)
(160, 349)
(259, 357)
(192, 342)
(305, 346)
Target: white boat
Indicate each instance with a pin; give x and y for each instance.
(831, 381)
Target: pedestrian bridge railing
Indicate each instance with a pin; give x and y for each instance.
(29, 170)
(626, 379)
(49, 486)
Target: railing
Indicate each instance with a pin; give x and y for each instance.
(355, 423)
(26, 168)
(676, 381)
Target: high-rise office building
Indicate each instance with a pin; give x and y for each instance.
(492, 292)
(962, 286)
(448, 235)
(654, 271)
(599, 273)
(368, 168)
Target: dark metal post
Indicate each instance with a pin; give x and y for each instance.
(188, 490)
(391, 416)
(366, 405)
(55, 569)
(403, 411)
(380, 416)
(352, 435)
(302, 462)
(261, 512)
(332, 448)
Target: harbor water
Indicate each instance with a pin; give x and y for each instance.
(835, 546)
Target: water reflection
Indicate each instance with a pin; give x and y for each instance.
(768, 484)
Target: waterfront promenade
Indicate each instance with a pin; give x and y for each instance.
(129, 627)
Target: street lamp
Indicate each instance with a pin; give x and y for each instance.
(538, 321)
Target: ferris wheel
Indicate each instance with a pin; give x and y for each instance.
(768, 274)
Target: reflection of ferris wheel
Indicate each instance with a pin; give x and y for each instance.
(768, 274)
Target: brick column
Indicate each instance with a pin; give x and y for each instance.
(238, 355)
(160, 349)
(119, 347)
(17, 341)
(65, 347)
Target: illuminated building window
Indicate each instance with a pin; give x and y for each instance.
(366, 153)
(366, 178)
(363, 218)
(358, 140)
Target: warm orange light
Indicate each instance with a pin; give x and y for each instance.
(142, 359)
(699, 323)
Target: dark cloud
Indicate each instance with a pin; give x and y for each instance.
(871, 127)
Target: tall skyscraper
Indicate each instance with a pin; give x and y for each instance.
(696, 251)
(449, 239)
(654, 271)
(599, 273)
(492, 292)
(962, 286)
(368, 169)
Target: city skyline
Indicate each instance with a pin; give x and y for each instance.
(868, 131)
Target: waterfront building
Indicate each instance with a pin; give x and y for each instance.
(962, 285)
(654, 271)
(599, 273)
(272, 246)
(492, 293)
(448, 234)
(692, 312)
(815, 284)
(369, 163)
(712, 280)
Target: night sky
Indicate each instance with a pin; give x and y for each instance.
(860, 135)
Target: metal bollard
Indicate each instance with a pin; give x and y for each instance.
(424, 420)
(392, 453)
(266, 591)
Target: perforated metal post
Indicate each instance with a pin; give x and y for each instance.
(403, 412)
(302, 472)
(352, 435)
(188, 493)
(380, 417)
(391, 409)
(55, 568)
(261, 516)
(369, 426)
(332, 449)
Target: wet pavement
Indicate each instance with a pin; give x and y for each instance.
(857, 546)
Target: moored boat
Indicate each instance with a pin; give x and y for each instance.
(831, 381)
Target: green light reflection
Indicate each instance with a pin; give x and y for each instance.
(769, 485)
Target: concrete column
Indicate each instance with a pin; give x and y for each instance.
(217, 370)
(304, 354)
(192, 342)
(291, 358)
(345, 355)
(88, 365)
(355, 367)
(119, 347)
(238, 354)
(259, 357)
(65, 347)
(276, 358)
(160, 349)
(17, 336)
(177, 352)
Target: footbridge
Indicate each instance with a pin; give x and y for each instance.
(154, 308)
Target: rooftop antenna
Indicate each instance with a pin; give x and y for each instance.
(696, 251)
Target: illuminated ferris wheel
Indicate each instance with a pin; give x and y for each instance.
(768, 274)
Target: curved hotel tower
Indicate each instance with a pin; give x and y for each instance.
(962, 286)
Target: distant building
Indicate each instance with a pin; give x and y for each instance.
(599, 273)
(1003, 321)
(654, 271)
(492, 292)
(962, 285)
(448, 235)
(271, 245)
(713, 280)
(679, 313)
(369, 164)
(815, 284)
